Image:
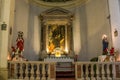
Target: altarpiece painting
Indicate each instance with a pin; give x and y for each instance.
(56, 37)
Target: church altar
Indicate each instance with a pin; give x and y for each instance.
(62, 63)
(58, 59)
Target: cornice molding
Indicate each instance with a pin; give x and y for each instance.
(72, 3)
(56, 15)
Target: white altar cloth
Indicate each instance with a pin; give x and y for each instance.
(58, 59)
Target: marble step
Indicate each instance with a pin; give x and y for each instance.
(65, 79)
(65, 74)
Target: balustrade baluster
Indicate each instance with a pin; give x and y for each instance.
(37, 72)
(108, 72)
(26, 72)
(18, 70)
(92, 72)
(29, 70)
(15, 70)
(103, 72)
(87, 71)
(114, 70)
(43, 71)
(40, 69)
(32, 71)
(82, 71)
(98, 71)
(21, 71)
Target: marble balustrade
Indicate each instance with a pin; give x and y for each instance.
(97, 70)
(31, 70)
(36, 70)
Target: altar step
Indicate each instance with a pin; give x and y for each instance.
(65, 74)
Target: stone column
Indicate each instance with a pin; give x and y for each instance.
(47, 37)
(66, 39)
(0, 8)
(76, 32)
(5, 17)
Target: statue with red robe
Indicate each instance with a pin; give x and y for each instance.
(20, 42)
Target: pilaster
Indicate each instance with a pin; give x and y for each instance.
(5, 18)
(76, 32)
(3, 74)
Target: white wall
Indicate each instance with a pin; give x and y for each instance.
(0, 8)
(94, 24)
(26, 20)
(115, 21)
(0, 20)
(20, 21)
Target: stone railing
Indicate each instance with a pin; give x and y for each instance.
(36, 70)
(31, 70)
(97, 70)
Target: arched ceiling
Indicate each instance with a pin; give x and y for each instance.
(58, 3)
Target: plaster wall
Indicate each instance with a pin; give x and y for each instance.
(21, 17)
(115, 22)
(0, 20)
(94, 23)
(27, 20)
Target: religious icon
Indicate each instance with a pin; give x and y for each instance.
(105, 44)
(4, 26)
(115, 33)
(20, 42)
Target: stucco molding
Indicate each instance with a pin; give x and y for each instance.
(72, 3)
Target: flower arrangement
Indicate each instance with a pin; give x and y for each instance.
(109, 52)
(112, 51)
